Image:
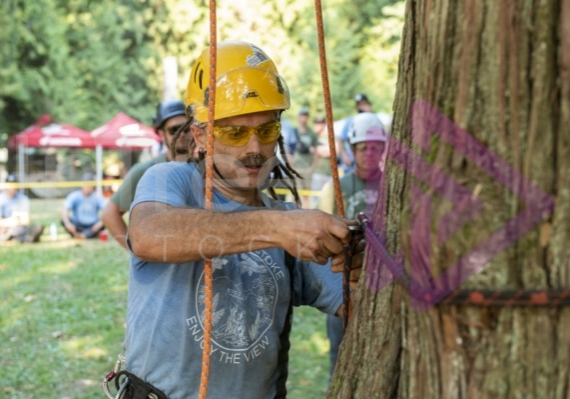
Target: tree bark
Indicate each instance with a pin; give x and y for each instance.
(500, 70)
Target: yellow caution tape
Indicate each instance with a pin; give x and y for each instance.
(51, 184)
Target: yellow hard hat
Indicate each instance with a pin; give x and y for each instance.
(247, 81)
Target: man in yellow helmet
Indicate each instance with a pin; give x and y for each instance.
(247, 236)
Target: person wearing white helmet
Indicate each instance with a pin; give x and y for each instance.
(368, 141)
(345, 155)
(247, 234)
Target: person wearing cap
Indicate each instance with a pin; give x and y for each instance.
(368, 141)
(345, 155)
(169, 119)
(15, 215)
(306, 141)
(266, 255)
(80, 215)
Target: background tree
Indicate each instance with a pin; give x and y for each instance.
(81, 63)
(500, 71)
(84, 61)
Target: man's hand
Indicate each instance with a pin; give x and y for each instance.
(97, 226)
(71, 228)
(314, 235)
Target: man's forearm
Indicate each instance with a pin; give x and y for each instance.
(175, 235)
(17, 219)
(162, 233)
(8, 222)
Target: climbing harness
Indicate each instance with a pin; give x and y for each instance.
(111, 376)
(129, 386)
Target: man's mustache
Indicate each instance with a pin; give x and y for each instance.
(253, 161)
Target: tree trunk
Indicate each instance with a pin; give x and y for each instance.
(500, 72)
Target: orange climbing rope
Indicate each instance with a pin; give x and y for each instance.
(332, 147)
(208, 193)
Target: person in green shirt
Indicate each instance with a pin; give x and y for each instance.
(170, 116)
(368, 142)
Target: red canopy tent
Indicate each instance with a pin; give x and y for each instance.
(52, 135)
(45, 133)
(123, 131)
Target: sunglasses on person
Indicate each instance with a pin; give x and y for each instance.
(238, 136)
(172, 130)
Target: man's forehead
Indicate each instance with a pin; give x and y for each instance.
(259, 117)
(175, 120)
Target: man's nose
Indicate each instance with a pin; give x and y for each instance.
(253, 145)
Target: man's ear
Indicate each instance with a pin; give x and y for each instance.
(382, 163)
(162, 134)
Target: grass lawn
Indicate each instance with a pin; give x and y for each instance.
(62, 315)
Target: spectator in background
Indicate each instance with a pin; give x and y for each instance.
(321, 159)
(170, 116)
(289, 139)
(15, 215)
(303, 156)
(80, 214)
(346, 157)
(368, 142)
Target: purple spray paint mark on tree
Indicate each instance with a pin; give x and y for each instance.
(426, 291)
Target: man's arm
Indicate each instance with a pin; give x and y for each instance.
(120, 202)
(162, 233)
(112, 217)
(66, 221)
(19, 219)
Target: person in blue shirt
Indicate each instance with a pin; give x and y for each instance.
(267, 255)
(15, 215)
(81, 211)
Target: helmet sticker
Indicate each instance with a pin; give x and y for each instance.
(257, 58)
(280, 85)
(196, 69)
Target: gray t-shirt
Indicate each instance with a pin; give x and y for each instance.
(252, 293)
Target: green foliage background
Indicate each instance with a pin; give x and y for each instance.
(83, 61)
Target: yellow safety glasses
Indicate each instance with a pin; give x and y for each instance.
(238, 136)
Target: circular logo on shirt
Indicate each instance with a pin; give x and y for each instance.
(244, 300)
